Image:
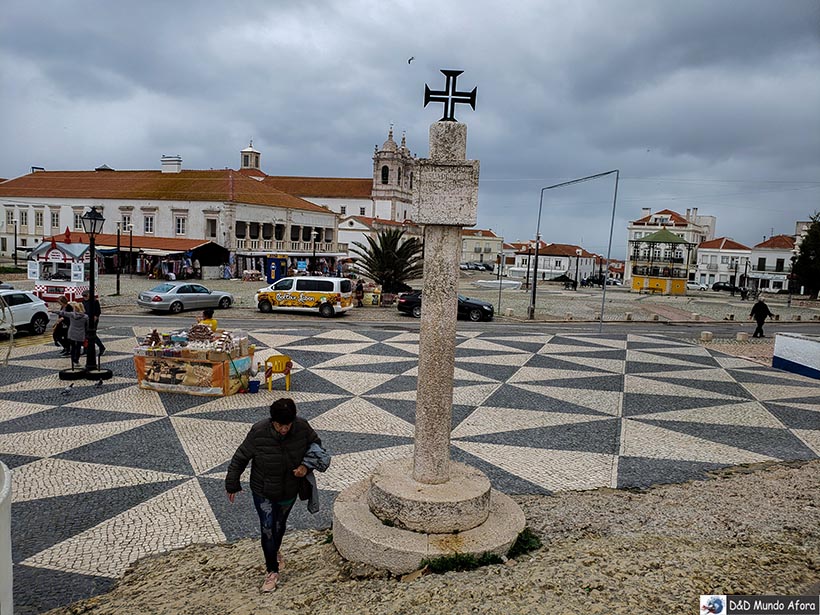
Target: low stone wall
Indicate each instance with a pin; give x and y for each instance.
(5, 540)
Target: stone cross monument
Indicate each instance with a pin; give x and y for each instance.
(429, 506)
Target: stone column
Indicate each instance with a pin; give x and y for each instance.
(428, 506)
(437, 351)
(446, 200)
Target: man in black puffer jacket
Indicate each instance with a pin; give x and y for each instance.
(277, 447)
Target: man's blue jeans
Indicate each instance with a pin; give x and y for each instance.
(273, 519)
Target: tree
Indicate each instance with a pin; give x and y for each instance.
(390, 260)
(806, 269)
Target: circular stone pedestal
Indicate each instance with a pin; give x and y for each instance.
(460, 504)
(360, 536)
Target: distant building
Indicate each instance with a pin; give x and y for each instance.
(248, 212)
(722, 260)
(480, 246)
(771, 263)
(660, 253)
(356, 229)
(555, 261)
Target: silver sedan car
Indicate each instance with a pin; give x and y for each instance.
(174, 297)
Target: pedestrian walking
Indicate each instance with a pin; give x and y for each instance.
(93, 309)
(759, 312)
(77, 328)
(359, 293)
(277, 449)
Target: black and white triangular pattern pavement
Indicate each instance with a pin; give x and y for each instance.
(105, 475)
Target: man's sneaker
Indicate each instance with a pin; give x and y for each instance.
(271, 579)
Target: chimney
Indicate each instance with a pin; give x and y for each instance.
(171, 164)
(645, 211)
(694, 214)
(687, 214)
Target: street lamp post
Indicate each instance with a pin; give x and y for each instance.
(500, 266)
(15, 243)
(529, 257)
(531, 310)
(92, 225)
(315, 234)
(119, 260)
(130, 250)
(578, 253)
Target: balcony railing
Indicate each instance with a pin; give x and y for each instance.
(660, 272)
(775, 268)
(302, 247)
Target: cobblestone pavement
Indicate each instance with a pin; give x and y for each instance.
(105, 475)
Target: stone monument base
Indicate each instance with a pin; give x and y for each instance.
(367, 516)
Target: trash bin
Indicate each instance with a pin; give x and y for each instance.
(253, 386)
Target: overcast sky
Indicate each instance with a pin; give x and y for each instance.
(713, 104)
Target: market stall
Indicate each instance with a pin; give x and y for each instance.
(195, 361)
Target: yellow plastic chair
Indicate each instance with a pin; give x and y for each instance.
(278, 364)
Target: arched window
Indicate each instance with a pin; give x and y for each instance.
(411, 180)
(385, 174)
(398, 178)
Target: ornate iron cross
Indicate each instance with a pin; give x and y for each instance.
(450, 96)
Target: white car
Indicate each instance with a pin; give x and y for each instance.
(696, 286)
(22, 310)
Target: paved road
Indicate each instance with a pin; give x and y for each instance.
(105, 475)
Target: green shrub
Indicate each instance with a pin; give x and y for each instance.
(527, 541)
(460, 562)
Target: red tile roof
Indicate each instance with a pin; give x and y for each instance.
(675, 219)
(563, 249)
(477, 232)
(778, 242)
(722, 243)
(224, 185)
(139, 241)
(327, 187)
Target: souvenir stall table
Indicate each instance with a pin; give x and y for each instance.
(195, 361)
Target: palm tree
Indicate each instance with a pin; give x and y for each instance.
(389, 260)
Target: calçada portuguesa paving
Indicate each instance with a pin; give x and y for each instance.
(105, 475)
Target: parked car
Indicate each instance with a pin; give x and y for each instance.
(726, 286)
(471, 309)
(614, 282)
(22, 310)
(696, 286)
(174, 297)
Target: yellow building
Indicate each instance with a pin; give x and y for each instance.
(660, 263)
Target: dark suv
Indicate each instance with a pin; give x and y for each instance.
(726, 286)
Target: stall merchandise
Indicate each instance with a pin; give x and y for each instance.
(196, 361)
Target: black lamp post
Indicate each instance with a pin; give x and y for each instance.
(531, 311)
(790, 280)
(93, 221)
(130, 250)
(15, 243)
(119, 260)
(578, 253)
(315, 234)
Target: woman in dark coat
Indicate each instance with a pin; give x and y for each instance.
(275, 447)
(77, 328)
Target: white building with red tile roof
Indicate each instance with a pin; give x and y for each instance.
(771, 263)
(722, 260)
(480, 246)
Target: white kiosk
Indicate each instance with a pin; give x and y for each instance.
(59, 269)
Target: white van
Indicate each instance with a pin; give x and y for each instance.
(327, 296)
